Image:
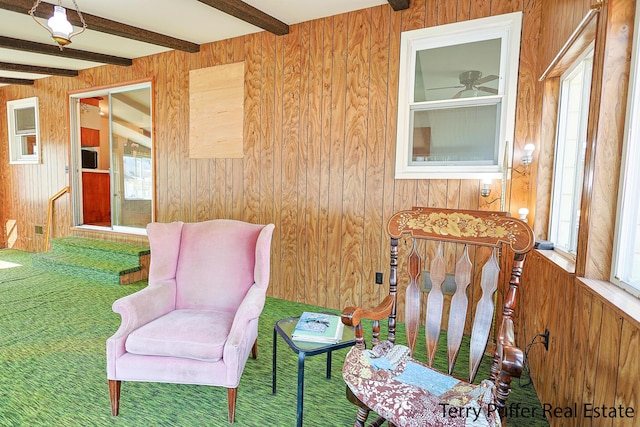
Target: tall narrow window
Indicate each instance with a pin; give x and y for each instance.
(626, 253)
(573, 111)
(23, 129)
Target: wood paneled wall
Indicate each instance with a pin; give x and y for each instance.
(319, 135)
(593, 347)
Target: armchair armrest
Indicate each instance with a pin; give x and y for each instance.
(243, 334)
(139, 309)
(145, 305)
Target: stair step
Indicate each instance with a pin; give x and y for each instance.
(98, 261)
(114, 251)
(98, 270)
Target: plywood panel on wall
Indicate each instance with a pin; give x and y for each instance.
(216, 112)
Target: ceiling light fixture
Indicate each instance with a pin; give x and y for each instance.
(58, 26)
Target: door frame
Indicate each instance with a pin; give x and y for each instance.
(75, 154)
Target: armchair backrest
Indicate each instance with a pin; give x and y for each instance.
(216, 261)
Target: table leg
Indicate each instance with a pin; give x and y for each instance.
(273, 364)
(301, 356)
(329, 365)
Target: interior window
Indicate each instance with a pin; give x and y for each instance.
(570, 146)
(23, 127)
(456, 99)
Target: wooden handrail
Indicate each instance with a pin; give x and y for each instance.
(50, 214)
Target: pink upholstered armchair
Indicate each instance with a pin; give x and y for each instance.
(197, 320)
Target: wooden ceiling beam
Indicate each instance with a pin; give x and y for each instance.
(95, 23)
(10, 81)
(250, 14)
(38, 70)
(399, 4)
(47, 49)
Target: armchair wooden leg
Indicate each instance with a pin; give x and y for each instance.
(114, 396)
(231, 402)
(254, 349)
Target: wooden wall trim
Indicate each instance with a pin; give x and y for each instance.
(618, 299)
(558, 260)
(579, 40)
(546, 156)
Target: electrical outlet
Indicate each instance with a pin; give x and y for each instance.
(379, 278)
(546, 339)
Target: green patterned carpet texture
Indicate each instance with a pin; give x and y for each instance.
(53, 329)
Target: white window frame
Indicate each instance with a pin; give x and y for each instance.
(584, 62)
(507, 27)
(626, 248)
(16, 153)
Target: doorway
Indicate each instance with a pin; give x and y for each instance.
(112, 158)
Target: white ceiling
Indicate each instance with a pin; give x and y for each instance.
(188, 20)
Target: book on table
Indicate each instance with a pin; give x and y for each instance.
(318, 327)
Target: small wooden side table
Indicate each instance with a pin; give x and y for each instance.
(284, 328)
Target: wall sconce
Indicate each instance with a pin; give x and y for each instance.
(526, 159)
(485, 191)
(485, 187)
(58, 26)
(523, 212)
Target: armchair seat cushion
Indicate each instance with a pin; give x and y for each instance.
(188, 333)
(409, 393)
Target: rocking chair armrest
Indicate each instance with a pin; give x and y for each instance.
(351, 316)
(512, 361)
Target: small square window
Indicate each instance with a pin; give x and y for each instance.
(22, 116)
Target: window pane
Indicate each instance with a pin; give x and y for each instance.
(28, 144)
(137, 178)
(459, 135)
(634, 276)
(570, 151)
(25, 120)
(626, 254)
(458, 71)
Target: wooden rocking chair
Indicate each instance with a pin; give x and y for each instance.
(386, 379)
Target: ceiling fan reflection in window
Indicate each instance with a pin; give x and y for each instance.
(470, 82)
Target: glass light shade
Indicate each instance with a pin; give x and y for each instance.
(61, 29)
(485, 187)
(528, 154)
(523, 212)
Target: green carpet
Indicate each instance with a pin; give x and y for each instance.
(52, 365)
